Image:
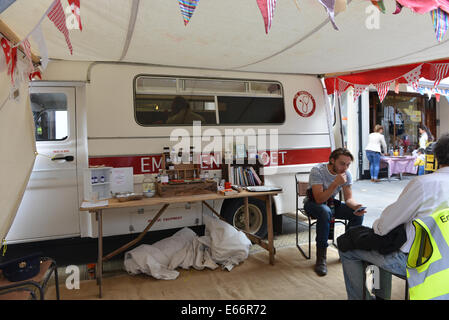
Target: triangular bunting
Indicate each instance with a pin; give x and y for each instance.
(76, 6)
(379, 4)
(342, 86)
(440, 21)
(57, 15)
(441, 71)
(330, 7)
(267, 9)
(358, 90)
(187, 9)
(27, 50)
(382, 89)
(398, 8)
(38, 37)
(413, 76)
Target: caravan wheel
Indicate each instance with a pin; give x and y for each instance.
(234, 213)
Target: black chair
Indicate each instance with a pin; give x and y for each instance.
(10, 290)
(366, 264)
(301, 192)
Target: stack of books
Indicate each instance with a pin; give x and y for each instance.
(245, 176)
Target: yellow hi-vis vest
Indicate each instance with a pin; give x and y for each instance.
(428, 259)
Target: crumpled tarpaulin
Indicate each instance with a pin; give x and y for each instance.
(222, 245)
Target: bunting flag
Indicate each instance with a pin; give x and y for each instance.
(76, 7)
(413, 76)
(330, 7)
(4, 4)
(38, 37)
(57, 15)
(396, 86)
(382, 89)
(379, 4)
(440, 23)
(267, 7)
(342, 86)
(27, 50)
(6, 50)
(441, 71)
(187, 9)
(358, 90)
(398, 8)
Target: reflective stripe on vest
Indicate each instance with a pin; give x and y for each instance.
(428, 259)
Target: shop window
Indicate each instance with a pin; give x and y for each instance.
(50, 116)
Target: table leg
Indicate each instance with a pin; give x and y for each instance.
(270, 230)
(246, 214)
(99, 217)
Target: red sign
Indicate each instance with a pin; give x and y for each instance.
(304, 104)
(152, 163)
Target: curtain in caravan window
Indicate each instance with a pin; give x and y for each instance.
(17, 150)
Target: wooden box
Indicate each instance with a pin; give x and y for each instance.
(186, 188)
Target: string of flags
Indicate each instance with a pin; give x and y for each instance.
(55, 13)
(382, 79)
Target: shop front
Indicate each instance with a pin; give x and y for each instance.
(400, 115)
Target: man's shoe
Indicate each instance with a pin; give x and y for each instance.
(320, 265)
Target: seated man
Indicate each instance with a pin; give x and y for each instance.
(326, 180)
(181, 112)
(421, 197)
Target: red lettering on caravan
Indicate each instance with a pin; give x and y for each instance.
(152, 163)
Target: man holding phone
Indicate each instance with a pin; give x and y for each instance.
(325, 182)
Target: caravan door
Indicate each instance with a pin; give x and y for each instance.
(49, 208)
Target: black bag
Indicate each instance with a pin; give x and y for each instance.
(23, 268)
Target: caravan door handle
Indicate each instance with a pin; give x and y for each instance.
(66, 158)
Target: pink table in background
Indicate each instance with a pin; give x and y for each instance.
(398, 165)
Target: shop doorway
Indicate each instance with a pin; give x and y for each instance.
(400, 114)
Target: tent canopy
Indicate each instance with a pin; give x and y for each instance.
(231, 35)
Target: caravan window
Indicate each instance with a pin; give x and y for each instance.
(180, 101)
(50, 116)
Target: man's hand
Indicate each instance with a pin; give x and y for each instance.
(340, 179)
(359, 213)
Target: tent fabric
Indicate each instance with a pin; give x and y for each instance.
(232, 36)
(17, 152)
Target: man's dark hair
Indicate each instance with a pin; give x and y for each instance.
(179, 103)
(340, 152)
(441, 150)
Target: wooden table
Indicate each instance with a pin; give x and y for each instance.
(165, 202)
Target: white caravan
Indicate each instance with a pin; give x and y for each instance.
(117, 115)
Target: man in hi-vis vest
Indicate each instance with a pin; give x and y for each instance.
(422, 200)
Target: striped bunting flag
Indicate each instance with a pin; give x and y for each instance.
(27, 49)
(441, 71)
(267, 9)
(187, 9)
(382, 89)
(57, 15)
(440, 22)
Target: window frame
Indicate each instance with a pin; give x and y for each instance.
(215, 94)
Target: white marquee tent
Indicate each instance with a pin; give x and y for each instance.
(224, 35)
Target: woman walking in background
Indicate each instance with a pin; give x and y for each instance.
(376, 140)
(425, 136)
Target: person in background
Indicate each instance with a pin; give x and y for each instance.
(421, 197)
(325, 182)
(420, 161)
(376, 140)
(425, 136)
(181, 112)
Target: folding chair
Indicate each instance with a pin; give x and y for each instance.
(301, 191)
(25, 289)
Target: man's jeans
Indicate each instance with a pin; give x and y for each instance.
(353, 271)
(323, 214)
